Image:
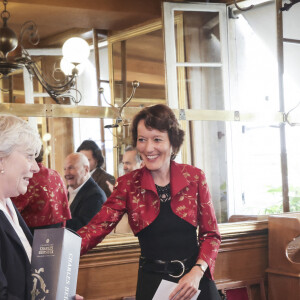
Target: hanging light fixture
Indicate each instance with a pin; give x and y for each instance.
(59, 90)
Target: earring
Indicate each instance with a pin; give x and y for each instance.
(2, 171)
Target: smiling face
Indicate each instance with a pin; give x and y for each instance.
(155, 149)
(76, 170)
(18, 168)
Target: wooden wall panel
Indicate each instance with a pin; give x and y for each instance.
(108, 273)
(242, 258)
(283, 273)
(61, 130)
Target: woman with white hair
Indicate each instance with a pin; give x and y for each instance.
(19, 146)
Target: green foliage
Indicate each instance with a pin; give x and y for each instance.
(294, 196)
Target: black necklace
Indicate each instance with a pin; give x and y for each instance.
(164, 192)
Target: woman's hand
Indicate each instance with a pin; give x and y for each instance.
(188, 285)
(78, 297)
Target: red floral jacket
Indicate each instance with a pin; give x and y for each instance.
(46, 199)
(136, 195)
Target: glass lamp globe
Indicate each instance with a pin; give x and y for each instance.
(68, 67)
(47, 137)
(76, 50)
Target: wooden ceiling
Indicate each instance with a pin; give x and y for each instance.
(59, 19)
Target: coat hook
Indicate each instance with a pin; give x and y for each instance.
(231, 14)
(242, 8)
(135, 85)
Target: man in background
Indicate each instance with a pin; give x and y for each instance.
(131, 160)
(94, 154)
(85, 196)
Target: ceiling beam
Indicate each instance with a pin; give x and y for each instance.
(146, 6)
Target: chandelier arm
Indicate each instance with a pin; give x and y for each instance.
(76, 99)
(32, 67)
(55, 92)
(31, 29)
(29, 33)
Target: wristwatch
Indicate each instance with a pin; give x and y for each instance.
(201, 267)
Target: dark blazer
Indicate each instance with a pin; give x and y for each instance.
(100, 176)
(86, 204)
(15, 270)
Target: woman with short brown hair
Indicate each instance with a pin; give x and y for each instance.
(166, 202)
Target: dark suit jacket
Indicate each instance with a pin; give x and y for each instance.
(100, 176)
(86, 204)
(15, 270)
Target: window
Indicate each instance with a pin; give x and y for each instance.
(226, 70)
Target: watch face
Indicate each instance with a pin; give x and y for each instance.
(201, 267)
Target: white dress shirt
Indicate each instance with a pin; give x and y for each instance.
(73, 192)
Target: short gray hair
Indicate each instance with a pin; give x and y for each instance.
(15, 132)
(137, 156)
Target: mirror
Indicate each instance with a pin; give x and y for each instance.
(136, 55)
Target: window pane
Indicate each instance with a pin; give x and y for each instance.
(257, 169)
(203, 86)
(200, 36)
(140, 58)
(209, 148)
(254, 80)
(291, 96)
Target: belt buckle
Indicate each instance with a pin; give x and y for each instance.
(182, 266)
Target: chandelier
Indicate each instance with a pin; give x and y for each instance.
(59, 89)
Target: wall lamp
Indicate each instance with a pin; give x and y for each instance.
(75, 52)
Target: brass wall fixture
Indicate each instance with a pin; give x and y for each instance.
(119, 120)
(287, 6)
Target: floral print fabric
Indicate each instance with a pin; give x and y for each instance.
(46, 200)
(136, 195)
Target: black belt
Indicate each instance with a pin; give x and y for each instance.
(174, 268)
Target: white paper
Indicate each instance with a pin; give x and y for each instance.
(166, 288)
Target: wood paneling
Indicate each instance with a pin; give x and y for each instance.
(242, 258)
(61, 130)
(108, 274)
(283, 274)
(110, 270)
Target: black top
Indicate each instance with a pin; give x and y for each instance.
(168, 237)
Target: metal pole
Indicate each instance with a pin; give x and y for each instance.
(283, 154)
